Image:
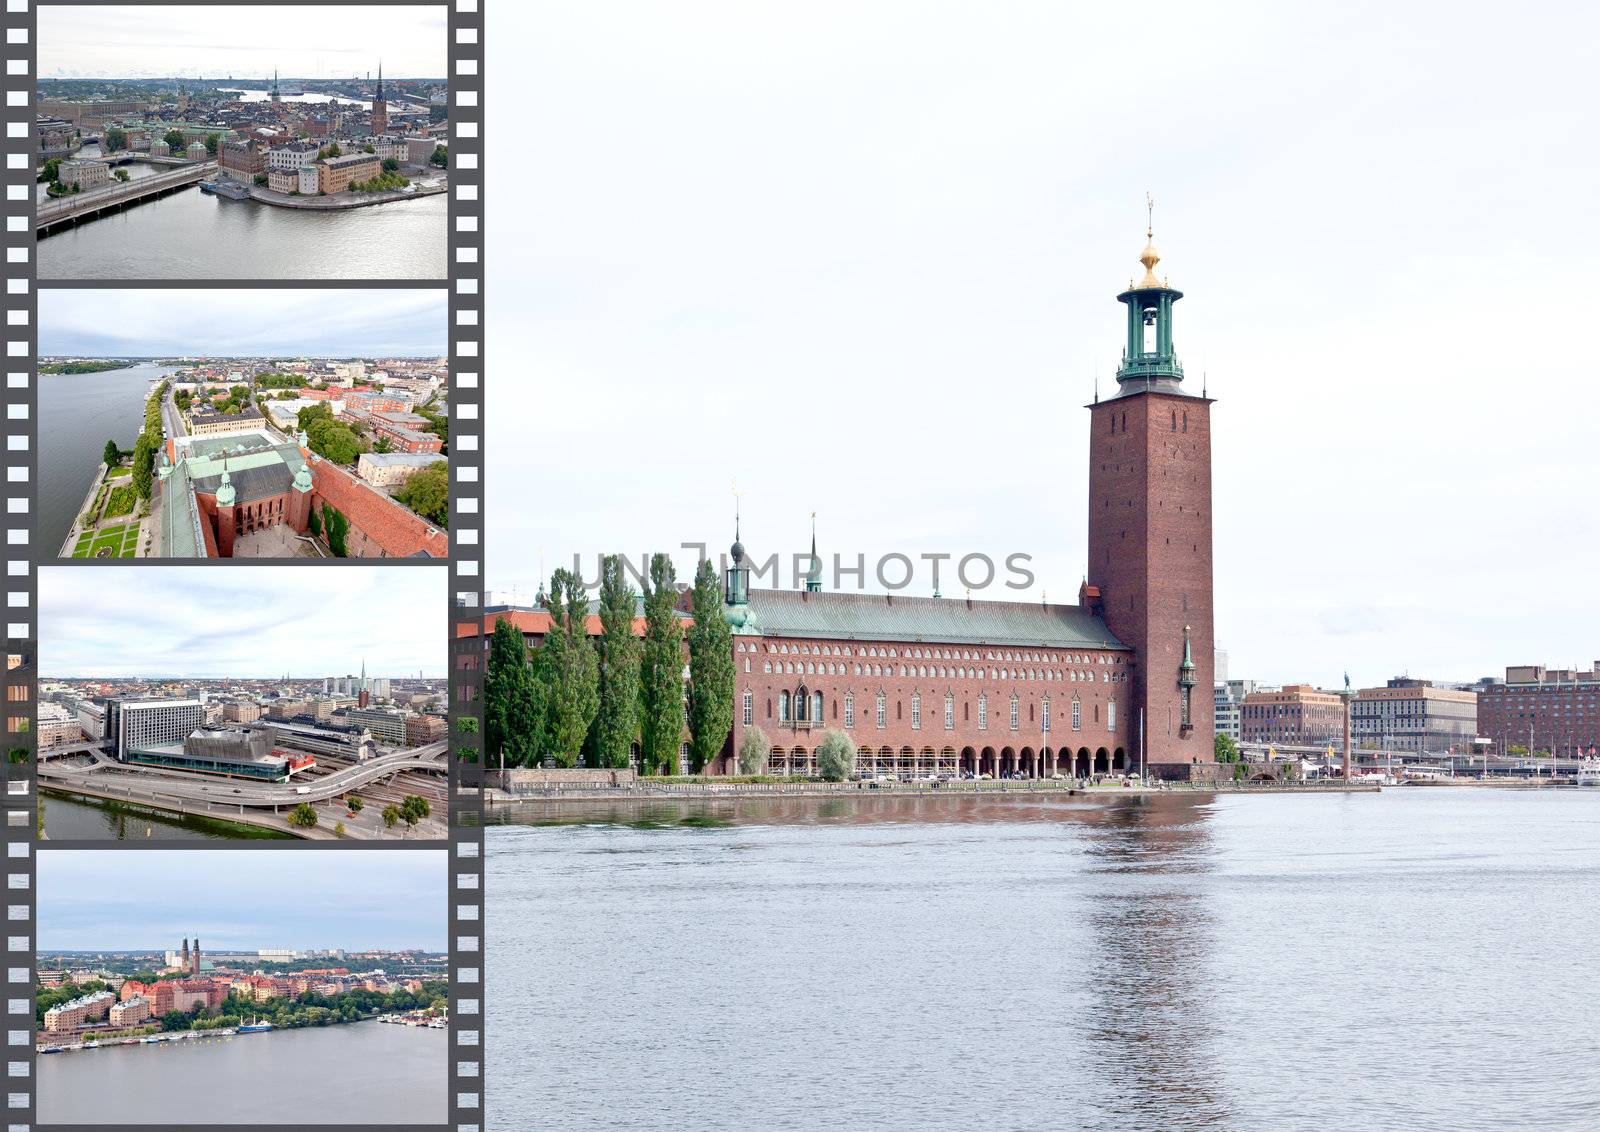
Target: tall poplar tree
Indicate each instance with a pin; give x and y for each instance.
(618, 722)
(661, 672)
(711, 672)
(513, 705)
(569, 669)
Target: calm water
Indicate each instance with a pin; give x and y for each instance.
(1417, 959)
(192, 234)
(78, 413)
(363, 1073)
(72, 818)
(134, 169)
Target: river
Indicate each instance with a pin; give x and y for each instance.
(1413, 959)
(78, 413)
(362, 1073)
(190, 234)
(74, 818)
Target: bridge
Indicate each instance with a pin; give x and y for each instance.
(60, 211)
(107, 778)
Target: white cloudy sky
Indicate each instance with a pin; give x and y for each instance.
(313, 898)
(319, 323)
(303, 41)
(864, 259)
(256, 621)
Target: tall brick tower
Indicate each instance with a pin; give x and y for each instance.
(380, 108)
(1150, 533)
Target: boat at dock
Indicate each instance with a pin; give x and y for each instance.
(255, 1028)
(1589, 772)
(225, 189)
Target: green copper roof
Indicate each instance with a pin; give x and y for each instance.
(892, 617)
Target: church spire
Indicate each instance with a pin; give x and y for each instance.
(814, 571)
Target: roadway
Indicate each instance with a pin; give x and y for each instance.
(157, 787)
(62, 210)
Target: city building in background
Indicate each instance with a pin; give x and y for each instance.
(1414, 715)
(1542, 709)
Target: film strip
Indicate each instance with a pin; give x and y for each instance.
(466, 564)
(23, 553)
(21, 581)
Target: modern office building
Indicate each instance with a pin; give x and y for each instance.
(1298, 715)
(306, 733)
(233, 752)
(141, 723)
(1228, 703)
(1414, 716)
(387, 724)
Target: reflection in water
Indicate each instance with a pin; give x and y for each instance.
(1277, 962)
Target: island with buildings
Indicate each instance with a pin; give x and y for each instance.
(94, 1000)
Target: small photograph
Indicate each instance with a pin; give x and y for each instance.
(206, 988)
(249, 423)
(282, 702)
(222, 141)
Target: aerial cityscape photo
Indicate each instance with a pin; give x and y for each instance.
(242, 142)
(276, 702)
(188, 424)
(214, 1000)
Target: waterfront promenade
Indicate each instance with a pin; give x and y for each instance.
(342, 201)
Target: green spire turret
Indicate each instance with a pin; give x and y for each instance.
(814, 571)
(1186, 669)
(1148, 357)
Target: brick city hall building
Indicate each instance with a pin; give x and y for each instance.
(938, 685)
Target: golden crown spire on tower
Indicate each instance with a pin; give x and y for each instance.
(1150, 257)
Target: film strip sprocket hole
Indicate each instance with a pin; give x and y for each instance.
(20, 645)
(466, 563)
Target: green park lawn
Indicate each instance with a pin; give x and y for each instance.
(118, 473)
(120, 541)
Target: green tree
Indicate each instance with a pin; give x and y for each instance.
(427, 492)
(314, 524)
(336, 526)
(513, 700)
(618, 722)
(1224, 749)
(355, 804)
(174, 140)
(112, 455)
(754, 751)
(116, 138)
(391, 815)
(212, 142)
(711, 672)
(413, 808)
(121, 175)
(661, 672)
(303, 816)
(441, 156)
(51, 171)
(144, 458)
(390, 165)
(338, 829)
(569, 668)
(836, 756)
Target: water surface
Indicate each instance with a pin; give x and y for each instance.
(1411, 959)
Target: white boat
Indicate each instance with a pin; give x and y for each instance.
(1589, 772)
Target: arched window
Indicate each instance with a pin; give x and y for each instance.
(1044, 719)
(802, 705)
(749, 708)
(983, 713)
(849, 709)
(1077, 714)
(881, 712)
(1111, 715)
(1016, 711)
(916, 711)
(783, 707)
(816, 706)
(949, 711)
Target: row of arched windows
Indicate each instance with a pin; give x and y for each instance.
(918, 652)
(803, 706)
(941, 672)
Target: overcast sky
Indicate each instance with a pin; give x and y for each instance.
(261, 622)
(355, 899)
(864, 260)
(322, 323)
(304, 41)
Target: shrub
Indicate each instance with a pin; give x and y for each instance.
(754, 751)
(836, 756)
